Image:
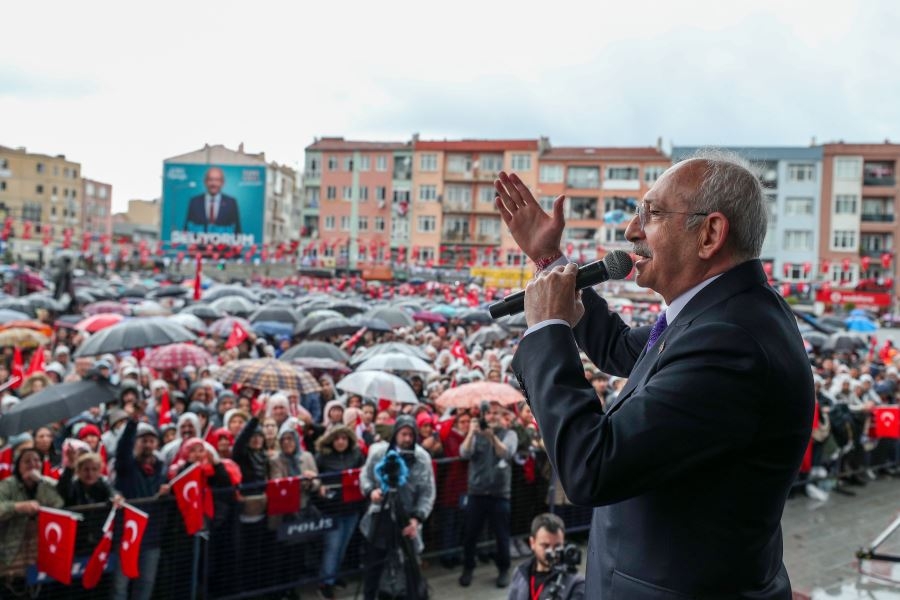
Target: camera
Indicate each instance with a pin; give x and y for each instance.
(566, 557)
(392, 471)
(482, 414)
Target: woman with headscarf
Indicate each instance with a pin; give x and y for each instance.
(44, 443)
(21, 496)
(337, 451)
(333, 414)
(188, 427)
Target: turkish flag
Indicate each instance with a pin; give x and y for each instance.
(350, 486)
(459, 351)
(18, 368)
(886, 422)
(56, 543)
(48, 470)
(238, 335)
(94, 568)
(188, 490)
(6, 462)
(135, 522)
(165, 409)
(197, 277)
(37, 362)
(283, 496)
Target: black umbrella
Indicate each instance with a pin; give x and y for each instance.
(316, 317)
(514, 322)
(314, 349)
(228, 291)
(348, 309)
(204, 311)
(844, 342)
(395, 317)
(146, 332)
(376, 325)
(334, 326)
(19, 304)
(277, 313)
(476, 316)
(135, 291)
(487, 335)
(169, 291)
(55, 403)
(237, 306)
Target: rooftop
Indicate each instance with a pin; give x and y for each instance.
(220, 155)
(593, 153)
(476, 145)
(339, 144)
(755, 153)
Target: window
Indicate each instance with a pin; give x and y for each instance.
(546, 203)
(459, 194)
(332, 163)
(520, 162)
(363, 223)
(88, 189)
(347, 192)
(459, 163)
(2, 186)
(551, 174)
(401, 195)
(38, 189)
(801, 172)
(331, 192)
(583, 177)
(486, 194)
(798, 206)
(426, 224)
(843, 240)
(428, 162)
(489, 227)
(345, 223)
(40, 168)
(798, 240)
(31, 211)
(103, 192)
(364, 162)
(379, 223)
(380, 192)
(490, 163)
(363, 192)
(348, 163)
(312, 197)
(313, 166)
(4, 163)
(427, 193)
(651, 174)
(622, 173)
(329, 223)
(847, 168)
(845, 204)
(426, 254)
(53, 211)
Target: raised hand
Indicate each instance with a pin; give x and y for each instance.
(537, 233)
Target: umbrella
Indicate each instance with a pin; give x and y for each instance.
(395, 317)
(861, 324)
(487, 335)
(395, 361)
(177, 356)
(514, 322)
(470, 395)
(223, 327)
(149, 308)
(17, 304)
(169, 291)
(377, 384)
(279, 314)
(203, 311)
(41, 328)
(265, 374)
(22, 336)
(234, 305)
(817, 340)
(189, 322)
(348, 309)
(228, 291)
(839, 342)
(55, 403)
(97, 322)
(321, 364)
(314, 349)
(308, 383)
(135, 291)
(106, 307)
(317, 316)
(376, 325)
(141, 332)
(445, 309)
(7, 315)
(45, 302)
(475, 316)
(273, 328)
(388, 348)
(429, 317)
(334, 326)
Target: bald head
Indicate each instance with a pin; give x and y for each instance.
(214, 180)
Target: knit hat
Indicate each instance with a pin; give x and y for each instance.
(89, 429)
(146, 429)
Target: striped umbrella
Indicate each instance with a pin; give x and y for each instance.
(266, 374)
(309, 383)
(178, 356)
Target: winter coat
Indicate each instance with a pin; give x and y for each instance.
(520, 587)
(18, 533)
(332, 464)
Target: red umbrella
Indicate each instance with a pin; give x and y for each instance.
(97, 322)
(470, 395)
(178, 356)
(429, 317)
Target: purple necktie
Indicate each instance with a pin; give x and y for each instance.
(657, 330)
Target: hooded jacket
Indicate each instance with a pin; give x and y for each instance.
(332, 464)
(170, 450)
(254, 464)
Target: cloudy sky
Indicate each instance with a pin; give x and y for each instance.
(120, 86)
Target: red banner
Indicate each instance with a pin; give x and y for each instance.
(858, 298)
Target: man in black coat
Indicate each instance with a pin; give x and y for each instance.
(690, 466)
(214, 211)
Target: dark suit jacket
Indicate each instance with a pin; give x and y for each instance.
(228, 215)
(690, 466)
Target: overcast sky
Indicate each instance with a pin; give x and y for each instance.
(121, 86)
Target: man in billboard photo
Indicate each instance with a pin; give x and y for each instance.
(213, 211)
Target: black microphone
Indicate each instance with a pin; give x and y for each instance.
(615, 265)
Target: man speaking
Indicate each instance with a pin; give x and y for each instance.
(689, 467)
(213, 212)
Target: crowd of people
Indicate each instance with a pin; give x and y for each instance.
(469, 473)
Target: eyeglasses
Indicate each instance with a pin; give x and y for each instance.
(645, 213)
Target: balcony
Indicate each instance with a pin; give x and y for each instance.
(403, 175)
(457, 206)
(879, 173)
(883, 181)
(456, 236)
(309, 175)
(877, 218)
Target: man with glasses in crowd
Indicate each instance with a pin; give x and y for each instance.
(690, 465)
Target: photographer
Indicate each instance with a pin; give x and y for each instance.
(490, 449)
(399, 481)
(552, 573)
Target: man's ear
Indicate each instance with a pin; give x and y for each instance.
(712, 236)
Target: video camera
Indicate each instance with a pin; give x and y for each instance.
(482, 415)
(392, 471)
(564, 558)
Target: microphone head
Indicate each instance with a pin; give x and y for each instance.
(618, 264)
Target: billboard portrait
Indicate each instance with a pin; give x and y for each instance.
(213, 204)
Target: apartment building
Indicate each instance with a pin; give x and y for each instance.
(96, 212)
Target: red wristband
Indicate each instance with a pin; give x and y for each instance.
(543, 263)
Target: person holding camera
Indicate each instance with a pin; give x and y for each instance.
(399, 481)
(552, 573)
(490, 449)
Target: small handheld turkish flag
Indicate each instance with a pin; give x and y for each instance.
(135, 522)
(56, 542)
(188, 490)
(93, 571)
(350, 489)
(238, 335)
(886, 422)
(283, 496)
(6, 462)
